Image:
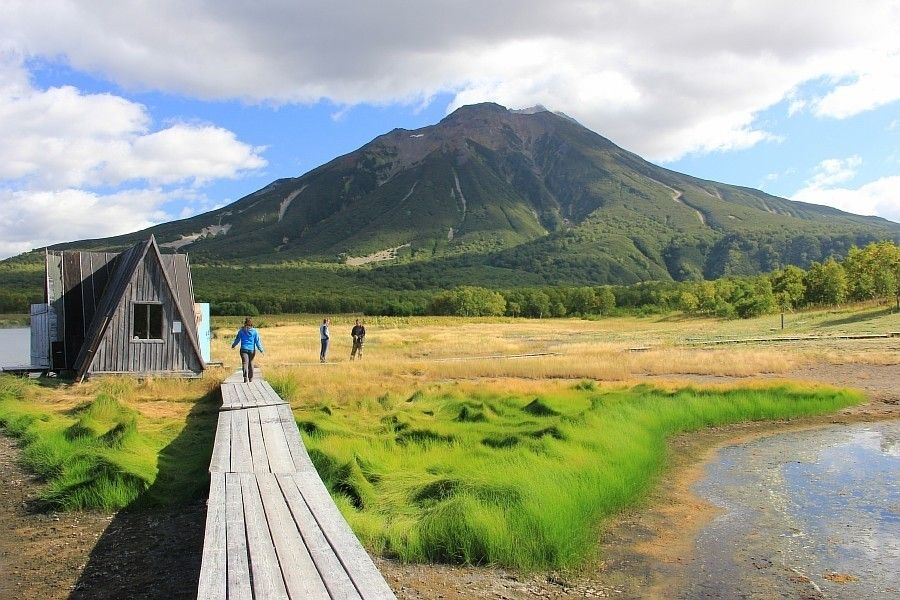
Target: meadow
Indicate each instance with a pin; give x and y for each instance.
(467, 440)
(462, 475)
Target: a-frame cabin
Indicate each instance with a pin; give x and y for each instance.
(108, 313)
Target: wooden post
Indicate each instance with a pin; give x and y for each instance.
(782, 320)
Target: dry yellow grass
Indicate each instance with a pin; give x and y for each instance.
(153, 397)
(403, 355)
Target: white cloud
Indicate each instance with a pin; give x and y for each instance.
(661, 78)
(64, 154)
(875, 83)
(185, 152)
(880, 197)
(61, 137)
(33, 219)
(834, 170)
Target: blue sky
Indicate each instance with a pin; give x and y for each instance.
(120, 118)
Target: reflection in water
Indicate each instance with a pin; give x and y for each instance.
(15, 347)
(814, 511)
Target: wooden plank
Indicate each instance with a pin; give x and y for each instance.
(246, 399)
(236, 540)
(300, 573)
(241, 457)
(235, 396)
(221, 454)
(257, 445)
(268, 582)
(40, 335)
(353, 556)
(213, 575)
(72, 301)
(236, 377)
(299, 455)
(228, 394)
(238, 396)
(280, 460)
(336, 579)
(268, 389)
(250, 398)
(258, 395)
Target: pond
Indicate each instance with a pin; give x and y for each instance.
(15, 347)
(805, 514)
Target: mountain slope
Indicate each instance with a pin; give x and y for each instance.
(525, 191)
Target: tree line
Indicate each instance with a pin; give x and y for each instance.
(870, 273)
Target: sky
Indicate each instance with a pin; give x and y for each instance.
(115, 116)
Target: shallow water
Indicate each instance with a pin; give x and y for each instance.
(15, 347)
(800, 511)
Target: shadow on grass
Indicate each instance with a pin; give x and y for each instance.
(152, 548)
(858, 317)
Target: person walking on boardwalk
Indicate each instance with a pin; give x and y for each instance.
(358, 333)
(324, 336)
(248, 338)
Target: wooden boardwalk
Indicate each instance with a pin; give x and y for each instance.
(272, 529)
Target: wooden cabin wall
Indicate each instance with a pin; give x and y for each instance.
(75, 284)
(119, 353)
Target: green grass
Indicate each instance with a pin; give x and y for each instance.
(14, 320)
(522, 482)
(102, 455)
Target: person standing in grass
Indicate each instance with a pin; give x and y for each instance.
(324, 336)
(248, 338)
(358, 333)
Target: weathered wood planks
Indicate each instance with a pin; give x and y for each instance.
(238, 574)
(214, 575)
(272, 529)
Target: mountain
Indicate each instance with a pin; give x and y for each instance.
(530, 192)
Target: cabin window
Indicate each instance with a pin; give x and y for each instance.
(147, 321)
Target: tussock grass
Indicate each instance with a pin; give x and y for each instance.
(520, 481)
(102, 453)
(92, 459)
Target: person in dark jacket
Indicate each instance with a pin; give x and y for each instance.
(248, 338)
(358, 333)
(324, 337)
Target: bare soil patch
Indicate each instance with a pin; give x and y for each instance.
(128, 554)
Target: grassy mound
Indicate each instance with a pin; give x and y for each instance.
(95, 459)
(103, 454)
(516, 481)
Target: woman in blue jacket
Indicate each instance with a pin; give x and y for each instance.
(248, 338)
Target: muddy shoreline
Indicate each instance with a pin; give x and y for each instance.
(157, 554)
(810, 513)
